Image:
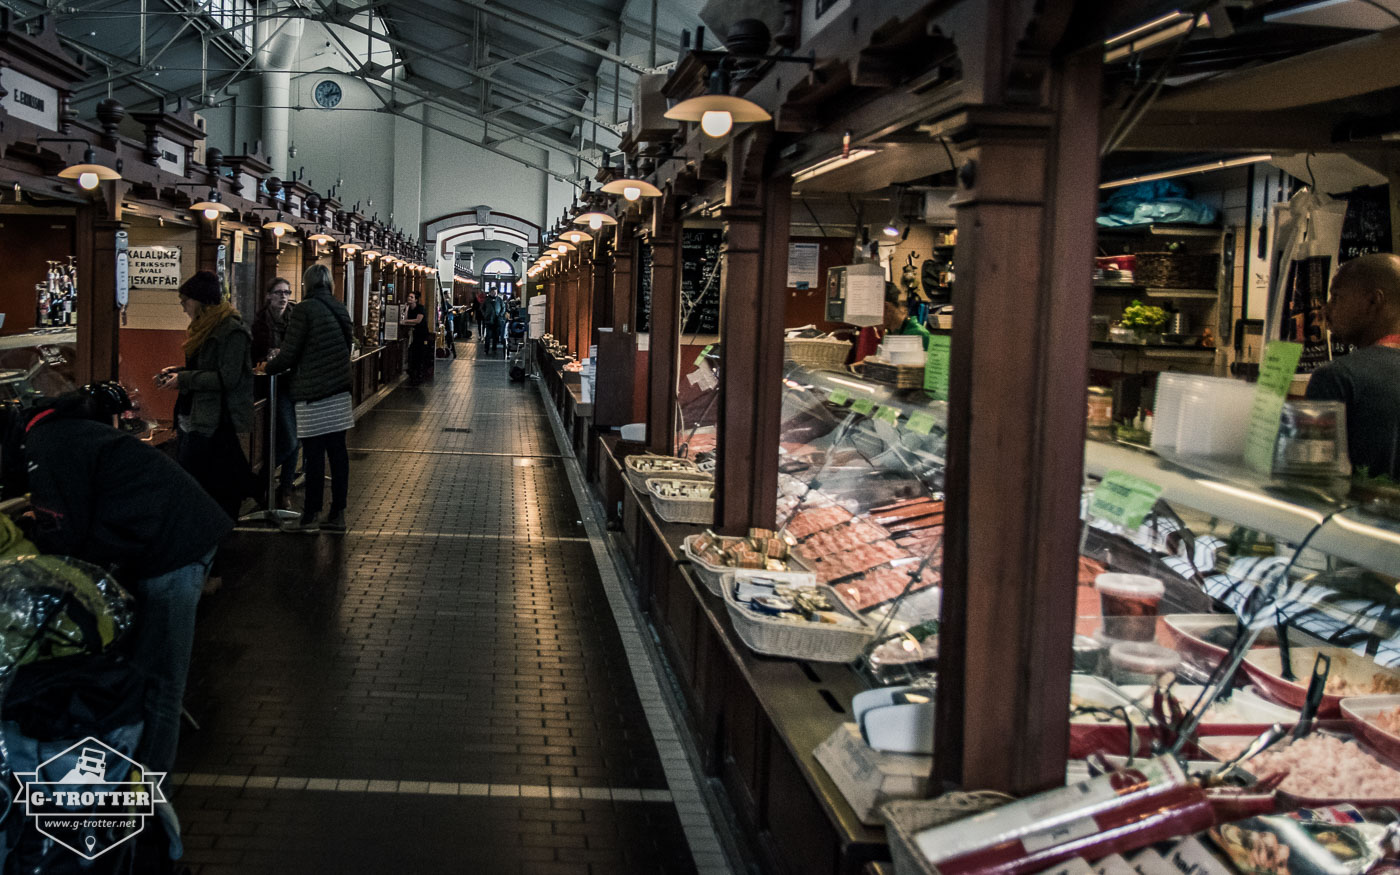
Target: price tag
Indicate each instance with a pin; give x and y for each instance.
(700, 359)
(1124, 499)
(921, 422)
(839, 397)
(936, 363)
(888, 414)
(863, 405)
(1276, 371)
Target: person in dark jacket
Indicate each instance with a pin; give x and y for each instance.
(216, 392)
(415, 317)
(105, 497)
(316, 350)
(269, 329)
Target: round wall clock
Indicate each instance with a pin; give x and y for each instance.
(327, 94)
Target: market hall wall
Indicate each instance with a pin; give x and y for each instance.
(154, 334)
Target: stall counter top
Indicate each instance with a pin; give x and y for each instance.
(795, 707)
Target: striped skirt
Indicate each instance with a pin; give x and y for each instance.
(326, 416)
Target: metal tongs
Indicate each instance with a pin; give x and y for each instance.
(1322, 667)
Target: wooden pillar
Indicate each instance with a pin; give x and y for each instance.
(753, 294)
(207, 233)
(663, 374)
(622, 281)
(338, 261)
(99, 320)
(267, 265)
(1020, 345)
(599, 268)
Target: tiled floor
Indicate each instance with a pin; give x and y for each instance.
(444, 688)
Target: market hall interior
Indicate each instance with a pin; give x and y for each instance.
(444, 687)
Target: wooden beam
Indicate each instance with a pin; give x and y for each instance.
(664, 372)
(99, 323)
(1014, 474)
(753, 294)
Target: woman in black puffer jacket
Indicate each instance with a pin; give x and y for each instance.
(316, 349)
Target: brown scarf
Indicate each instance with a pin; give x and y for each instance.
(204, 324)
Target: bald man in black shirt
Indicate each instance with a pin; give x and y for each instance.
(1364, 310)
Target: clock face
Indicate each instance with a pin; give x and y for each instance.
(327, 94)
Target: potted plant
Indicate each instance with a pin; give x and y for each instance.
(1146, 320)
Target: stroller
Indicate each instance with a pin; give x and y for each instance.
(65, 682)
(516, 330)
(517, 349)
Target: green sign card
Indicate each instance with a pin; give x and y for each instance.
(839, 397)
(1276, 371)
(863, 405)
(921, 422)
(888, 414)
(936, 366)
(1124, 499)
(704, 352)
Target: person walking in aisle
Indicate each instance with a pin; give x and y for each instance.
(449, 332)
(316, 350)
(494, 314)
(415, 317)
(215, 403)
(269, 329)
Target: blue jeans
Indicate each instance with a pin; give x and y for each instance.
(164, 640)
(287, 444)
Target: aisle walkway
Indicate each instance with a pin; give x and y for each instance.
(443, 688)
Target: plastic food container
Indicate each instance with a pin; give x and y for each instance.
(1129, 603)
(1132, 662)
(1312, 440)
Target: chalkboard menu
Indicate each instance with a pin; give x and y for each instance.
(700, 280)
(643, 320)
(1366, 228)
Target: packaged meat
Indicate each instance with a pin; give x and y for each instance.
(1325, 841)
(1113, 813)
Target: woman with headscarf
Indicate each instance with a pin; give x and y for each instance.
(216, 392)
(316, 349)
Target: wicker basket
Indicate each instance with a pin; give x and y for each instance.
(798, 639)
(898, 376)
(718, 577)
(817, 352)
(1176, 270)
(696, 511)
(640, 469)
(904, 819)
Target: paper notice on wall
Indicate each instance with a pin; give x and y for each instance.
(364, 295)
(237, 247)
(803, 265)
(350, 287)
(391, 322)
(865, 294)
(154, 267)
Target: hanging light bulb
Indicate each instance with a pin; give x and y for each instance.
(89, 173)
(594, 219)
(891, 228)
(576, 237)
(631, 188)
(278, 227)
(717, 111)
(211, 206)
(716, 122)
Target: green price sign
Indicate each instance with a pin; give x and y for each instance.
(700, 359)
(921, 422)
(839, 397)
(1124, 499)
(936, 366)
(863, 405)
(1276, 372)
(888, 414)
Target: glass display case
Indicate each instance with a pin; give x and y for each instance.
(1220, 609)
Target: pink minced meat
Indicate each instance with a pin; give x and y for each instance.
(1326, 767)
